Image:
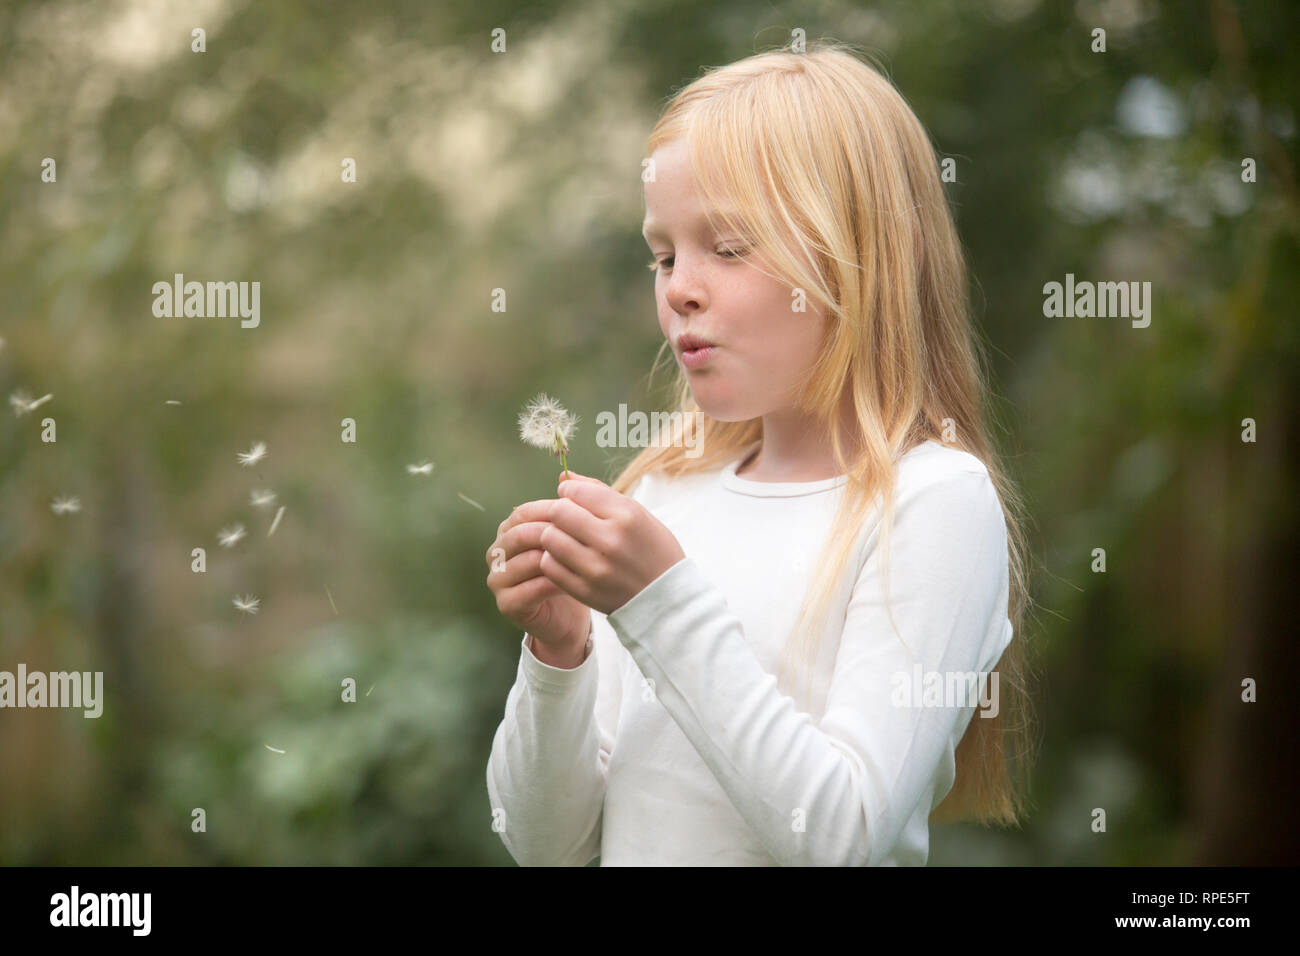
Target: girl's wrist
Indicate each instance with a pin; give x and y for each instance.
(575, 656)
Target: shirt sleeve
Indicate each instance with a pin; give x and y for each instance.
(836, 792)
(549, 763)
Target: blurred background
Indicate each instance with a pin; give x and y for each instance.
(520, 171)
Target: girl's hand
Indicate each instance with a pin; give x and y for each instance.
(556, 621)
(601, 547)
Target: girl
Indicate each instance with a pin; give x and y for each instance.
(676, 703)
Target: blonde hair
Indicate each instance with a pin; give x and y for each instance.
(834, 178)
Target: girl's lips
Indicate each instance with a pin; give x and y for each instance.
(697, 358)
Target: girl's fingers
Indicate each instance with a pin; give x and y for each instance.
(564, 578)
(517, 569)
(519, 539)
(527, 594)
(571, 554)
(578, 523)
(594, 496)
(574, 476)
(528, 511)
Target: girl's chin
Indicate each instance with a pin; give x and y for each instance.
(720, 410)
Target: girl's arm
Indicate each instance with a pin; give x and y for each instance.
(853, 779)
(550, 755)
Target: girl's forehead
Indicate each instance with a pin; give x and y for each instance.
(698, 219)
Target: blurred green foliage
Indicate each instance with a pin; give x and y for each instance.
(520, 171)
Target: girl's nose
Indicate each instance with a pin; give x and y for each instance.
(685, 291)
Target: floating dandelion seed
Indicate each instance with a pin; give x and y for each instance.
(22, 403)
(260, 499)
(470, 501)
(331, 597)
(248, 604)
(254, 454)
(544, 423)
(372, 687)
(63, 505)
(273, 750)
(424, 468)
(171, 401)
(275, 522)
(228, 536)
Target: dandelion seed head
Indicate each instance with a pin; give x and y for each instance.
(23, 403)
(63, 505)
(254, 454)
(261, 499)
(545, 423)
(469, 500)
(248, 604)
(276, 522)
(228, 536)
(424, 468)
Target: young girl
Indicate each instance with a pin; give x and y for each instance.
(677, 702)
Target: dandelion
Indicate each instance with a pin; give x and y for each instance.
(544, 423)
(228, 536)
(248, 604)
(260, 499)
(171, 401)
(424, 468)
(63, 505)
(278, 515)
(22, 403)
(254, 454)
(274, 750)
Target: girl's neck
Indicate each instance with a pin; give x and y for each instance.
(808, 457)
(796, 448)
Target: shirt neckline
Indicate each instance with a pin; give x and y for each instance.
(784, 489)
(773, 489)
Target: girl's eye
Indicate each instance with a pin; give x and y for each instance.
(666, 263)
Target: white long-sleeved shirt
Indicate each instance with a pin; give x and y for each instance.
(670, 744)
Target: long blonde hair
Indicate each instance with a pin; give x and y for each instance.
(834, 178)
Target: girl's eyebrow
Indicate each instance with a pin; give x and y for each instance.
(651, 227)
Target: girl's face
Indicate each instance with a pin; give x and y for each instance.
(706, 285)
